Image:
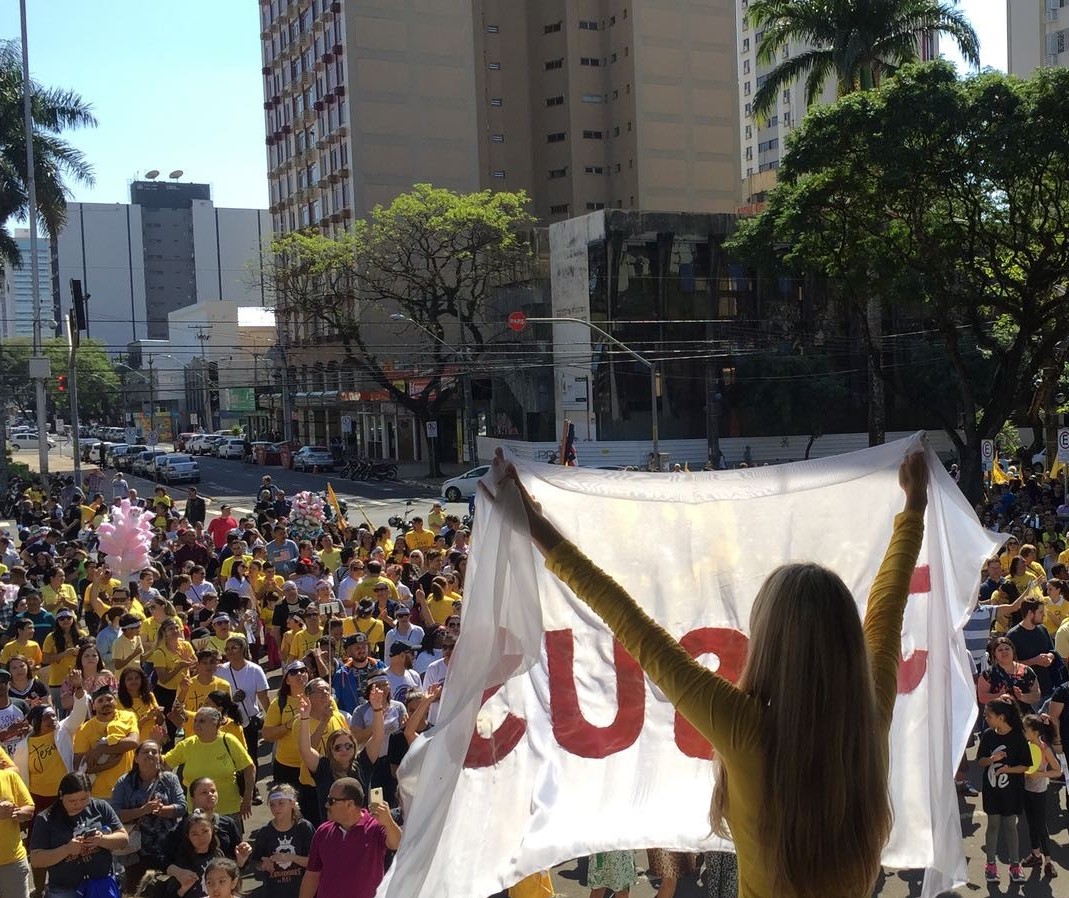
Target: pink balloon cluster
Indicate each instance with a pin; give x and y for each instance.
(308, 506)
(126, 539)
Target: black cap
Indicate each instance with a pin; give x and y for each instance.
(366, 606)
(399, 648)
(355, 639)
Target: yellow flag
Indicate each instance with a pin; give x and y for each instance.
(998, 476)
(1056, 470)
(333, 500)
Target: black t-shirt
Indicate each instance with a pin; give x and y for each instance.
(282, 882)
(284, 609)
(226, 830)
(54, 829)
(1029, 644)
(1003, 793)
(36, 689)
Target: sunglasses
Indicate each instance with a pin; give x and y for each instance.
(344, 746)
(331, 800)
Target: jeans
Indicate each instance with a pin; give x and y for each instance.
(251, 731)
(15, 879)
(1008, 824)
(1035, 812)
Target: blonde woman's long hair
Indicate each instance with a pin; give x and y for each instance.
(826, 754)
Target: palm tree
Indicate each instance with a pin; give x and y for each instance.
(856, 42)
(56, 162)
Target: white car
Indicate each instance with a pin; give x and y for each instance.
(308, 458)
(145, 461)
(201, 444)
(177, 467)
(463, 487)
(231, 447)
(28, 441)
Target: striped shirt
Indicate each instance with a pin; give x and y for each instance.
(977, 634)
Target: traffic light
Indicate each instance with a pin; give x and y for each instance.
(61, 383)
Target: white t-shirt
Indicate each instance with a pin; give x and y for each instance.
(250, 680)
(401, 683)
(435, 674)
(414, 638)
(346, 589)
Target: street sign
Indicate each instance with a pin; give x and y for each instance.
(517, 321)
(432, 430)
(131, 435)
(987, 454)
(152, 438)
(346, 424)
(1063, 445)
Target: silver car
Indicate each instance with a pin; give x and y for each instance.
(177, 467)
(309, 457)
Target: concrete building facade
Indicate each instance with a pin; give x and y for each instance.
(169, 248)
(584, 104)
(16, 291)
(1036, 35)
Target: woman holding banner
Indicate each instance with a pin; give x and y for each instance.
(783, 739)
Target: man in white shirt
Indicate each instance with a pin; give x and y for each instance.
(198, 586)
(404, 630)
(399, 671)
(349, 582)
(248, 687)
(436, 674)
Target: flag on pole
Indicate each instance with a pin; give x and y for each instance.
(1056, 470)
(998, 476)
(333, 500)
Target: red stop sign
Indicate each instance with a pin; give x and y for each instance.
(517, 321)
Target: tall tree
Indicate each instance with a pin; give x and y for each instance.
(431, 258)
(858, 43)
(950, 199)
(98, 381)
(56, 162)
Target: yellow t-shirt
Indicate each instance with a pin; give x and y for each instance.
(372, 628)
(286, 750)
(335, 722)
(12, 789)
(65, 596)
(46, 765)
(163, 657)
(421, 540)
(1038, 571)
(220, 759)
(1054, 615)
(228, 726)
(440, 608)
(224, 569)
(365, 589)
(197, 696)
(150, 629)
(297, 646)
(142, 710)
(92, 731)
(57, 670)
(31, 650)
(123, 648)
(331, 559)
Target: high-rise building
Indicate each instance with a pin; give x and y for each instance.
(585, 104)
(1036, 35)
(763, 140)
(169, 248)
(16, 292)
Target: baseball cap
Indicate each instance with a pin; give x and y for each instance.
(355, 639)
(403, 610)
(399, 648)
(295, 666)
(366, 606)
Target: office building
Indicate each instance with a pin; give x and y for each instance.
(584, 104)
(1036, 35)
(169, 248)
(16, 291)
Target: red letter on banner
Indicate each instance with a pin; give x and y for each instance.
(573, 732)
(728, 645)
(486, 751)
(911, 670)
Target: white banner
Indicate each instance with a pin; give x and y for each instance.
(576, 751)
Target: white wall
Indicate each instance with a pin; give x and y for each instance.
(101, 245)
(231, 240)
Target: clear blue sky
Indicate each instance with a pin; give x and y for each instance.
(178, 86)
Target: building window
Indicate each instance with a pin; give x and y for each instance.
(554, 64)
(496, 101)
(746, 89)
(745, 45)
(555, 173)
(613, 57)
(497, 138)
(749, 154)
(590, 135)
(787, 97)
(617, 169)
(593, 98)
(492, 29)
(612, 21)
(746, 67)
(595, 170)
(749, 109)
(555, 101)
(586, 25)
(749, 132)
(551, 28)
(616, 131)
(593, 207)
(616, 95)
(589, 60)
(493, 66)
(786, 118)
(627, 52)
(498, 172)
(629, 127)
(562, 209)
(556, 137)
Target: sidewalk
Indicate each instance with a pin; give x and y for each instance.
(414, 473)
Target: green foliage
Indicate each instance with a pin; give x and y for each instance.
(98, 381)
(946, 198)
(56, 162)
(858, 43)
(1008, 439)
(800, 392)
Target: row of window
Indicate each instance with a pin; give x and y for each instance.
(557, 173)
(558, 136)
(786, 99)
(558, 63)
(565, 208)
(587, 98)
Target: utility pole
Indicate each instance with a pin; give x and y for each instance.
(204, 334)
(40, 369)
(151, 394)
(73, 339)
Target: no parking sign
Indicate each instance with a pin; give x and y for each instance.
(1063, 445)
(987, 454)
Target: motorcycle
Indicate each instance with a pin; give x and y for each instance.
(400, 522)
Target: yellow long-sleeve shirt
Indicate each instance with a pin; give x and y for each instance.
(727, 717)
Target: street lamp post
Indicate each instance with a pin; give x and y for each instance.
(651, 365)
(467, 401)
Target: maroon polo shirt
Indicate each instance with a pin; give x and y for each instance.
(350, 863)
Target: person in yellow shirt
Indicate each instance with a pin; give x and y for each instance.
(436, 518)
(436, 607)
(128, 648)
(1012, 550)
(135, 696)
(1056, 605)
(23, 644)
(329, 554)
(1031, 559)
(14, 867)
(280, 723)
(193, 694)
(370, 626)
(60, 650)
(106, 742)
(58, 593)
(173, 659)
(319, 717)
(418, 537)
(296, 643)
(212, 753)
(231, 721)
(51, 745)
(365, 589)
(159, 611)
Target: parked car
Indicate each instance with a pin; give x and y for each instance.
(177, 467)
(181, 441)
(124, 460)
(230, 447)
(88, 450)
(143, 462)
(28, 440)
(203, 444)
(111, 456)
(309, 457)
(463, 487)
